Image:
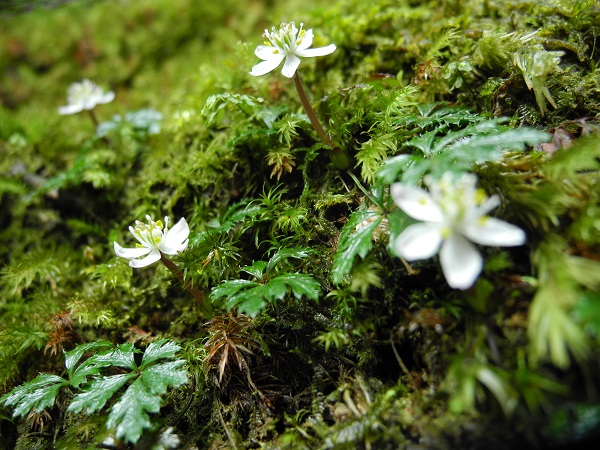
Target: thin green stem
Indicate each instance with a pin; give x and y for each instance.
(205, 306)
(310, 112)
(93, 117)
(338, 156)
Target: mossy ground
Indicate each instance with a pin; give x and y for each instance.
(387, 357)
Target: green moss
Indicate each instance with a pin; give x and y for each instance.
(349, 346)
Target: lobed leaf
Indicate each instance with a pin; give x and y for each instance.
(356, 240)
(38, 394)
(78, 375)
(230, 288)
(161, 349)
(129, 416)
(100, 391)
(299, 284)
(161, 376)
(122, 356)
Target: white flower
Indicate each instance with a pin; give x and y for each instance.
(168, 440)
(454, 215)
(154, 238)
(85, 95)
(289, 43)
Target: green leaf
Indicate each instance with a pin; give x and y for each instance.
(257, 269)
(251, 298)
(249, 302)
(79, 375)
(490, 147)
(129, 416)
(100, 391)
(39, 394)
(300, 284)
(215, 106)
(161, 376)
(161, 349)
(285, 253)
(122, 356)
(230, 288)
(356, 240)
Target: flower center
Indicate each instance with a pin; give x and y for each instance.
(286, 39)
(151, 233)
(458, 198)
(83, 91)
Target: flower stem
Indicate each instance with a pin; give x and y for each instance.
(338, 156)
(93, 117)
(205, 307)
(96, 123)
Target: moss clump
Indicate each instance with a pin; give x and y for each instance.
(320, 337)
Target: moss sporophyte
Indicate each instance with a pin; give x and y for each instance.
(454, 215)
(85, 95)
(288, 45)
(155, 240)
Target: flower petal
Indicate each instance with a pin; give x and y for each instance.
(320, 51)
(130, 252)
(176, 239)
(266, 66)
(479, 211)
(70, 109)
(419, 241)
(416, 202)
(307, 40)
(461, 262)
(290, 66)
(266, 52)
(107, 98)
(494, 232)
(152, 257)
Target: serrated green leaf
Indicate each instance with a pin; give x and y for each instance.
(230, 288)
(356, 240)
(300, 284)
(39, 394)
(161, 349)
(490, 147)
(424, 142)
(72, 357)
(161, 376)
(250, 302)
(285, 253)
(239, 213)
(100, 391)
(122, 356)
(257, 269)
(129, 416)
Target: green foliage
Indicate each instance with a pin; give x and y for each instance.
(356, 240)
(467, 377)
(252, 296)
(413, 88)
(137, 124)
(129, 415)
(37, 395)
(552, 330)
(536, 64)
(216, 106)
(460, 150)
